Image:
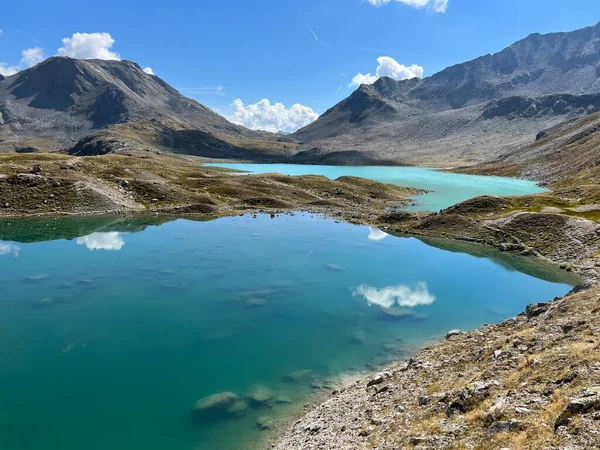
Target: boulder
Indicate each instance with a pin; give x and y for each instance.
(586, 401)
(536, 309)
(453, 333)
(397, 312)
(220, 401)
(238, 407)
(260, 395)
(299, 376)
(265, 423)
(378, 379)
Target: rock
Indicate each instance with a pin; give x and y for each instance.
(260, 395)
(397, 312)
(392, 347)
(505, 427)
(536, 309)
(283, 399)
(587, 400)
(500, 354)
(453, 333)
(358, 337)
(265, 423)
(154, 200)
(334, 268)
(378, 379)
(238, 407)
(312, 428)
(220, 401)
(36, 168)
(300, 376)
(423, 400)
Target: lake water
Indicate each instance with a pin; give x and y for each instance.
(112, 329)
(446, 188)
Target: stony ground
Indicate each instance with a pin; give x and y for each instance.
(532, 382)
(150, 182)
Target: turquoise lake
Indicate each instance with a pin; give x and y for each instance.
(112, 329)
(446, 188)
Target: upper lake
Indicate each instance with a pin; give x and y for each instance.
(447, 188)
(112, 329)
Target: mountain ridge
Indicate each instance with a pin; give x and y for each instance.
(529, 71)
(62, 100)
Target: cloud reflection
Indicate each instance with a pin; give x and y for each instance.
(9, 249)
(375, 234)
(102, 241)
(401, 295)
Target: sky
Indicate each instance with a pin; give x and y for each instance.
(278, 64)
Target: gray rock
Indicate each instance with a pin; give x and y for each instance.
(238, 407)
(260, 395)
(378, 379)
(265, 423)
(219, 401)
(587, 400)
(453, 333)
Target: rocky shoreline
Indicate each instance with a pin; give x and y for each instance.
(532, 381)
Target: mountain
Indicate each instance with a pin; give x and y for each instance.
(60, 101)
(469, 112)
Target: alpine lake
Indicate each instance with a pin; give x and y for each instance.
(152, 332)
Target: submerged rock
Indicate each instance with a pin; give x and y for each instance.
(334, 268)
(265, 423)
(300, 376)
(219, 401)
(397, 312)
(260, 395)
(358, 337)
(238, 407)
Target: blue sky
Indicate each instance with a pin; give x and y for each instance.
(220, 51)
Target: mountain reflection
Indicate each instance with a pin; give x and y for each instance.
(102, 241)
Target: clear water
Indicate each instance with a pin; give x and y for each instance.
(111, 329)
(446, 188)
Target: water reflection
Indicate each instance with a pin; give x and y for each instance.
(375, 234)
(400, 295)
(102, 241)
(8, 249)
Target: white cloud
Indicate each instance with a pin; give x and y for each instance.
(264, 115)
(401, 295)
(89, 46)
(102, 241)
(9, 249)
(375, 234)
(439, 6)
(7, 70)
(32, 56)
(388, 67)
(149, 70)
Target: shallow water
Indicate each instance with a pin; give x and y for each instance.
(111, 330)
(446, 188)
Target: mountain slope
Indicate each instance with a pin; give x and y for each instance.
(469, 112)
(54, 104)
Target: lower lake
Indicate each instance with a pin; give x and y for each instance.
(112, 329)
(446, 188)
